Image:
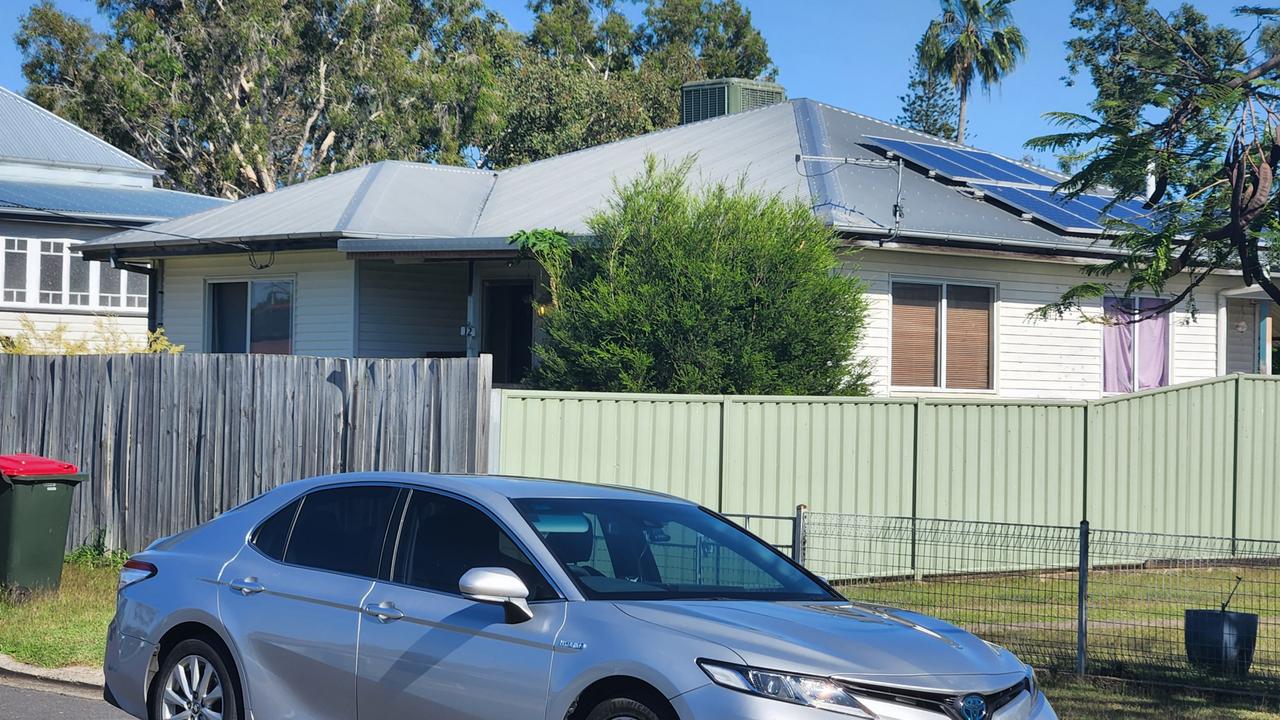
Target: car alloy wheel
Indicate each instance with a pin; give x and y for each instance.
(192, 691)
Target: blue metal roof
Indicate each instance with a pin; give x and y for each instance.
(100, 201)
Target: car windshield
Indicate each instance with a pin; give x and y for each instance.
(654, 550)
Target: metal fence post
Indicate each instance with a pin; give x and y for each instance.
(797, 535)
(1082, 603)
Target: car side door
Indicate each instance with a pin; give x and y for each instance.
(291, 600)
(427, 651)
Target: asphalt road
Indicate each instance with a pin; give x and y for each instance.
(18, 703)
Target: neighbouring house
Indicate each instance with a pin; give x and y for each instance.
(956, 246)
(61, 186)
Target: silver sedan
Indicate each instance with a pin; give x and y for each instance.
(384, 595)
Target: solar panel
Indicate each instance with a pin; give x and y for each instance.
(922, 156)
(1042, 203)
(963, 164)
(1130, 211)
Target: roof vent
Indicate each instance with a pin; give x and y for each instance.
(712, 98)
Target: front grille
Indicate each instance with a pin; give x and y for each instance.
(943, 703)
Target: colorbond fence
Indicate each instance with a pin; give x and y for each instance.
(1198, 459)
(171, 441)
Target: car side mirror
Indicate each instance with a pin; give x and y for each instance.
(498, 586)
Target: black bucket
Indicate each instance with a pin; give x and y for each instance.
(1221, 642)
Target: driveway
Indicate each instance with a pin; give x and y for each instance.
(17, 703)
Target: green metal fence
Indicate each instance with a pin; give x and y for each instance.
(1201, 458)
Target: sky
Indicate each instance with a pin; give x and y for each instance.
(854, 54)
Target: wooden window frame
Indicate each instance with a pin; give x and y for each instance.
(941, 387)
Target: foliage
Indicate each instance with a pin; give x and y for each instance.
(551, 249)
(1191, 106)
(930, 105)
(587, 77)
(972, 40)
(720, 291)
(239, 97)
(96, 554)
(107, 338)
(243, 96)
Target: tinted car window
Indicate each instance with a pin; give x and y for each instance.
(442, 538)
(342, 530)
(273, 534)
(644, 549)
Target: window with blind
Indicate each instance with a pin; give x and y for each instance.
(942, 336)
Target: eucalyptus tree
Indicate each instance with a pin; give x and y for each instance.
(973, 40)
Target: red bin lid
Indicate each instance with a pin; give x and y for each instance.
(26, 465)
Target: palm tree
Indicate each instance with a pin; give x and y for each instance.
(972, 39)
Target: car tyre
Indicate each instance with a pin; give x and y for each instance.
(624, 709)
(195, 679)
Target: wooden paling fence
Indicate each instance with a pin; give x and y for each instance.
(171, 441)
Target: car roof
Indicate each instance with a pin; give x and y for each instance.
(510, 487)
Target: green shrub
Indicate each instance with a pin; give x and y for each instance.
(726, 290)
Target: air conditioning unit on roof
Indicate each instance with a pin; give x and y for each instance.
(726, 96)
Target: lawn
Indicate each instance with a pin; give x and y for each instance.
(1097, 699)
(1135, 627)
(65, 628)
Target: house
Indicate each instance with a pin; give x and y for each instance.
(61, 186)
(956, 246)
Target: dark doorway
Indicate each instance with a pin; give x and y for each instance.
(508, 329)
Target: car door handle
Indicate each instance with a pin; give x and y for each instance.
(247, 586)
(384, 611)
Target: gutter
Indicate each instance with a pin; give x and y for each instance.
(972, 242)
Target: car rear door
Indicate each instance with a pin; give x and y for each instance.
(291, 600)
(428, 652)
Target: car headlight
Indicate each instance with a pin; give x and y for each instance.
(815, 692)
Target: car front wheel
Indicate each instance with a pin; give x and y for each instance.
(623, 709)
(194, 684)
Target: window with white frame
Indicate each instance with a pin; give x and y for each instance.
(51, 275)
(53, 261)
(14, 272)
(1135, 355)
(942, 335)
(251, 316)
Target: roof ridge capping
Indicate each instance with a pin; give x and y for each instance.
(134, 164)
(652, 134)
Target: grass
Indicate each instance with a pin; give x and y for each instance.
(1100, 699)
(67, 627)
(1135, 618)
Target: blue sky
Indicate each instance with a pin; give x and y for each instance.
(853, 54)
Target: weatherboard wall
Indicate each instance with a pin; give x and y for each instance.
(1034, 359)
(324, 297)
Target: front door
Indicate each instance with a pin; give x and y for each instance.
(435, 654)
(292, 600)
(508, 329)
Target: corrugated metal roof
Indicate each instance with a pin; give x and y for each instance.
(563, 191)
(389, 199)
(100, 201)
(416, 203)
(35, 135)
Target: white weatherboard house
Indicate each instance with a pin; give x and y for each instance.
(60, 186)
(405, 259)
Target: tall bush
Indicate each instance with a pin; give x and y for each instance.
(726, 290)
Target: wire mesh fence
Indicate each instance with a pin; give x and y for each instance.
(1134, 605)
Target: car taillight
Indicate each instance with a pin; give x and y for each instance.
(135, 571)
